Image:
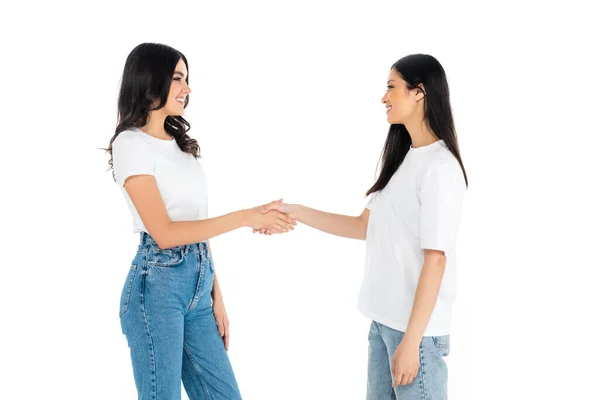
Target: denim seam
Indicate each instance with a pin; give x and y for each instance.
(154, 378)
(132, 272)
(423, 373)
(197, 369)
(167, 264)
(197, 292)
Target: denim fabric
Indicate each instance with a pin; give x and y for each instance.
(432, 379)
(166, 314)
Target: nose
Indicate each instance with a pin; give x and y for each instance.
(384, 98)
(186, 88)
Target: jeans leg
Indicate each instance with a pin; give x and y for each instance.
(155, 336)
(431, 380)
(379, 381)
(207, 371)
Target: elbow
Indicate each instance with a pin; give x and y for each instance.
(162, 244)
(161, 238)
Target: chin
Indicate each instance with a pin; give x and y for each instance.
(176, 113)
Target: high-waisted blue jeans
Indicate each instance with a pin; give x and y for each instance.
(166, 314)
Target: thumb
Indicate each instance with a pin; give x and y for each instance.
(271, 206)
(221, 326)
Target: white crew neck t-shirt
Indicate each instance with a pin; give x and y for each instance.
(419, 209)
(180, 176)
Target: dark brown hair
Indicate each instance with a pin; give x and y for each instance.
(147, 76)
(425, 70)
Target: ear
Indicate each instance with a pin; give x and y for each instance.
(420, 92)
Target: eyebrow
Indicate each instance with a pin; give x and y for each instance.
(179, 73)
(391, 80)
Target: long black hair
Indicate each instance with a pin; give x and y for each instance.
(425, 70)
(147, 76)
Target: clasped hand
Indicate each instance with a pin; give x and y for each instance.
(271, 218)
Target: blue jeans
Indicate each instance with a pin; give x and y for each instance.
(432, 379)
(166, 314)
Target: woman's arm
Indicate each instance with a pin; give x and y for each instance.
(335, 224)
(426, 295)
(146, 198)
(219, 307)
(405, 362)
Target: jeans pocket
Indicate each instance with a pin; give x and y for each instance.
(166, 258)
(126, 293)
(442, 343)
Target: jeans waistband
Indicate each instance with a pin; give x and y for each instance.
(200, 247)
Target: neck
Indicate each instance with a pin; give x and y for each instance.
(156, 126)
(420, 134)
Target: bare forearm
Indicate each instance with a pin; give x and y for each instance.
(186, 232)
(426, 296)
(335, 224)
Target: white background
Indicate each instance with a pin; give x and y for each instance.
(286, 103)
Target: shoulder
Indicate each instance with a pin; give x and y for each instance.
(130, 140)
(442, 166)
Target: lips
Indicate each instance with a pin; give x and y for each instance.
(388, 108)
(181, 100)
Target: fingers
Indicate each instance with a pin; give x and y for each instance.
(285, 221)
(397, 379)
(226, 337)
(284, 225)
(275, 228)
(287, 218)
(221, 326)
(403, 378)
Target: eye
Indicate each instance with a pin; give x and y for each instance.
(178, 79)
(390, 87)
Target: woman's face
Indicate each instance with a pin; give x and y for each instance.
(401, 103)
(179, 91)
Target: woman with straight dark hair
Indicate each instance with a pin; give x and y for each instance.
(171, 307)
(410, 225)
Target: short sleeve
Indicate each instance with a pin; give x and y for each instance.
(131, 156)
(371, 200)
(441, 194)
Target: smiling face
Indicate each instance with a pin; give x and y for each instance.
(179, 91)
(402, 104)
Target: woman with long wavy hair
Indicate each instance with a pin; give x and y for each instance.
(410, 225)
(171, 307)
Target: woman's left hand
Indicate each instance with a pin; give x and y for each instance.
(405, 363)
(222, 321)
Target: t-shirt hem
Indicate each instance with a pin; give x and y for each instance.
(121, 181)
(401, 326)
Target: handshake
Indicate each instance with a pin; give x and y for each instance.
(274, 217)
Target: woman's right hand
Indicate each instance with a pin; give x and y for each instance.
(267, 218)
(287, 209)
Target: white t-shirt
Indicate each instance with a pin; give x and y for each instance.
(419, 209)
(180, 176)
